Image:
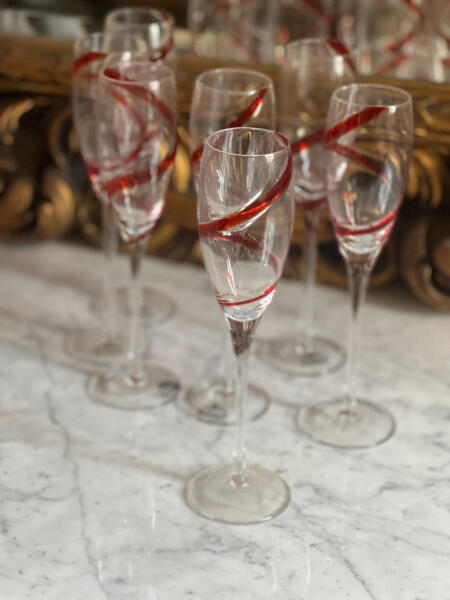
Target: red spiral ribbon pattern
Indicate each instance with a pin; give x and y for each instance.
(317, 137)
(129, 180)
(330, 139)
(239, 121)
(396, 46)
(222, 229)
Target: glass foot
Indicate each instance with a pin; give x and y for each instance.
(91, 347)
(116, 387)
(155, 306)
(288, 355)
(212, 494)
(214, 402)
(328, 423)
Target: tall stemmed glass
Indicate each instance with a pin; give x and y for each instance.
(240, 30)
(226, 98)
(157, 27)
(98, 345)
(245, 213)
(136, 132)
(313, 69)
(368, 139)
(158, 24)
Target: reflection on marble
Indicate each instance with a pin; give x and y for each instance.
(91, 498)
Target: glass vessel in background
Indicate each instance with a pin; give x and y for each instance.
(225, 98)
(369, 138)
(136, 137)
(239, 30)
(300, 19)
(425, 57)
(157, 28)
(245, 213)
(312, 70)
(93, 345)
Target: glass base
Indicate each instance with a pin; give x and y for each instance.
(214, 402)
(288, 355)
(116, 387)
(329, 423)
(212, 494)
(91, 347)
(155, 307)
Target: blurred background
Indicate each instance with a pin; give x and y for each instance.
(44, 192)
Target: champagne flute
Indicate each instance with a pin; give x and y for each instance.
(245, 212)
(368, 139)
(98, 345)
(157, 26)
(313, 68)
(136, 133)
(239, 30)
(223, 98)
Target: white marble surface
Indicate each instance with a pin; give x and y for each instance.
(91, 498)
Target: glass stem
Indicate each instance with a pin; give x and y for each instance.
(136, 250)
(226, 367)
(109, 242)
(358, 275)
(309, 266)
(241, 336)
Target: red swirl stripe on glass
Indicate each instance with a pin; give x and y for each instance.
(250, 212)
(222, 229)
(130, 180)
(252, 245)
(316, 137)
(341, 50)
(142, 93)
(85, 60)
(350, 124)
(127, 181)
(396, 60)
(307, 141)
(353, 122)
(239, 121)
(345, 230)
(398, 43)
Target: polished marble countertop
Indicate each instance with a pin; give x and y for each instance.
(92, 498)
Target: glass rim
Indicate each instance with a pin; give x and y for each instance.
(109, 17)
(90, 35)
(275, 134)
(230, 70)
(102, 34)
(321, 41)
(405, 98)
(115, 58)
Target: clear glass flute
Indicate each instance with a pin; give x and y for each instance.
(312, 70)
(424, 57)
(224, 98)
(300, 19)
(136, 142)
(368, 138)
(240, 30)
(158, 25)
(98, 345)
(245, 213)
(157, 28)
